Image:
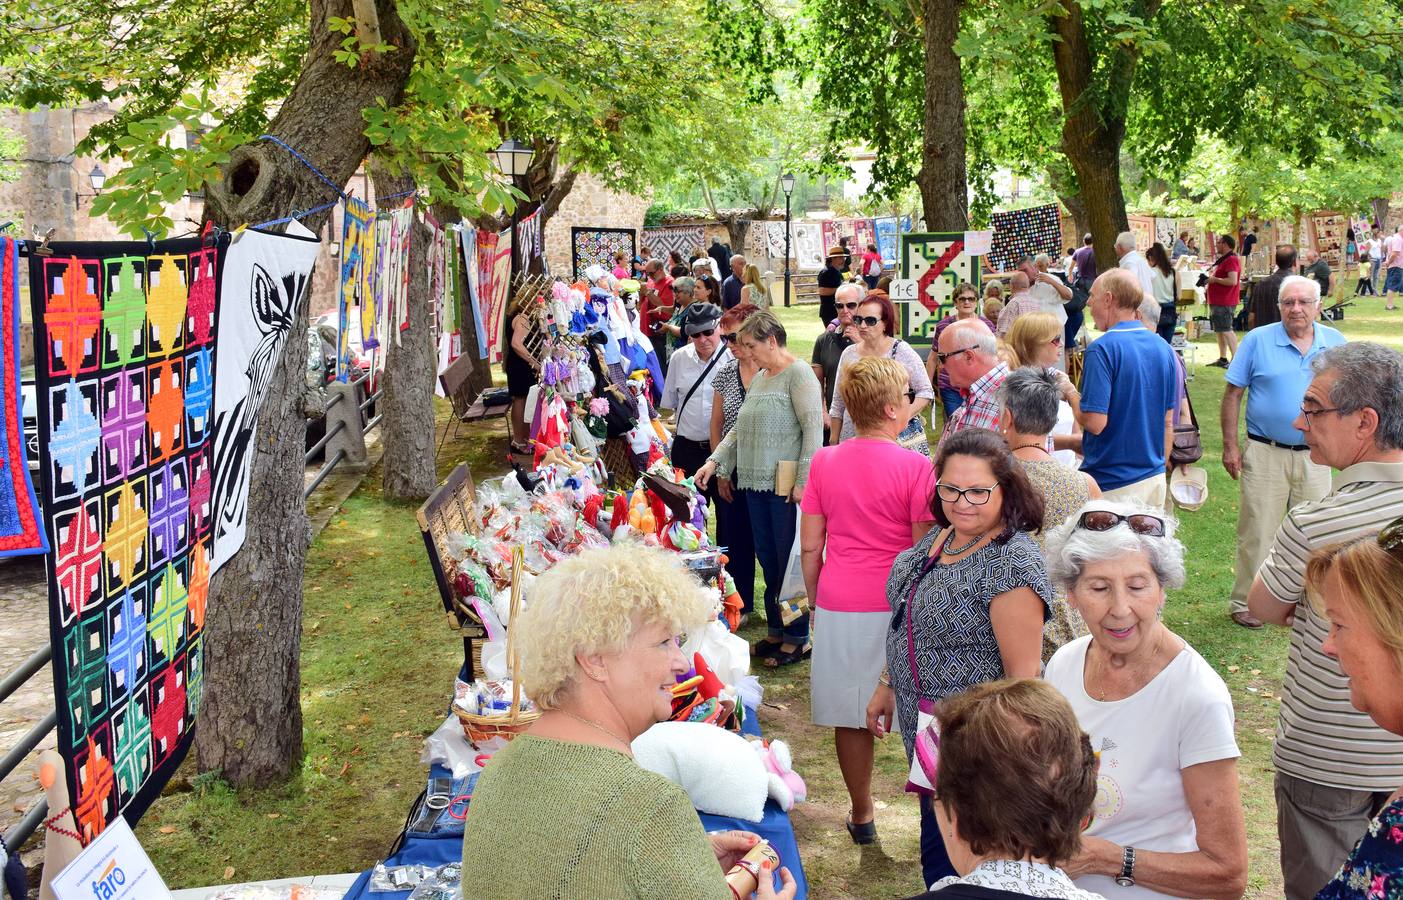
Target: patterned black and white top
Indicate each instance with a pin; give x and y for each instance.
(951, 630)
(731, 394)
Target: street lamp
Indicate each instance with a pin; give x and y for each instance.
(786, 182)
(513, 158)
(97, 178)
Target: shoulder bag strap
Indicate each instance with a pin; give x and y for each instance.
(715, 358)
(910, 612)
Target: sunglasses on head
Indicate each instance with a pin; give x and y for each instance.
(869, 321)
(1391, 538)
(1105, 520)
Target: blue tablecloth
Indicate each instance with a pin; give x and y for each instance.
(446, 843)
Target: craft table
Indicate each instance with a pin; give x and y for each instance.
(447, 846)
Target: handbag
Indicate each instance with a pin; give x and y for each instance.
(913, 436)
(925, 754)
(1188, 448)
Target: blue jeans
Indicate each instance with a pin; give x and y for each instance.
(773, 525)
(733, 533)
(951, 400)
(1069, 330)
(935, 860)
(1374, 266)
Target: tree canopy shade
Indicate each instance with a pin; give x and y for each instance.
(430, 88)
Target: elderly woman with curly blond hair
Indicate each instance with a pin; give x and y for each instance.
(563, 810)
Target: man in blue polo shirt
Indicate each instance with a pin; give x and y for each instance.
(1129, 389)
(1273, 366)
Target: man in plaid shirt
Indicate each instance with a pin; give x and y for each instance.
(969, 351)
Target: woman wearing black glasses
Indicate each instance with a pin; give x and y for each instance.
(968, 601)
(875, 321)
(1167, 820)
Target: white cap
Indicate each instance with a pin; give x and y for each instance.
(594, 273)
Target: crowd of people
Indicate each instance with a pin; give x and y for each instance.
(997, 593)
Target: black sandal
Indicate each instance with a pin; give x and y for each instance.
(863, 834)
(763, 649)
(789, 657)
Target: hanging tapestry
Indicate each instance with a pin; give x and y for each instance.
(1330, 235)
(774, 240)
(808, 245)
(125, 336)
(392, 231)
(501, 289)
(886, 228)
(1024, 231)
(596, 246)
(1143, 227)
(1166, 232)
(356, 305)
(472, 272)
(491, 323)
(21, 520)
(685, 239)
(938, 263)
(864, 233)
(832, 233)
(528, 241)
(266, 277)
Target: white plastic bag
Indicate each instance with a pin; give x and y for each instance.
(448, 747)
(793, 593)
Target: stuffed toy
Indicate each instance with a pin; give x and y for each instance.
(720, 772)
(785, 786)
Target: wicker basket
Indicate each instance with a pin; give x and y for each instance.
(478, 728)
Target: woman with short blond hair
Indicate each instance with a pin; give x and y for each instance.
(599, 642)
(852, 531)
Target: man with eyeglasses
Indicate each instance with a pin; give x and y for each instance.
(1272, 366)
(1334, 767)
(969, 352)
(688, 390)
(829, 347)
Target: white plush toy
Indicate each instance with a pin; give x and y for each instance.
(718, 769)
(785, 786)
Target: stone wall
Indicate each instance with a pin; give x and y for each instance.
(589, 205)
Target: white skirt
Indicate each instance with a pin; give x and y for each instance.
(850, 651)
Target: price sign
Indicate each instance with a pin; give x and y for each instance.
(903, 289)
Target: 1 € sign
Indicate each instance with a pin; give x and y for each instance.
(112, 867)
(903, 289)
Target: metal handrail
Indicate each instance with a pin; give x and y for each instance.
(323, 472)
(19, 751)
(15, 837)
(19, 676)
(317, 447)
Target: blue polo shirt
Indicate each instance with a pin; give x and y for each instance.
(1275, 376)
(1130, 375)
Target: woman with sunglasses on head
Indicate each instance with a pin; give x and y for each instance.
(1168, 815)
(778, 429)
(852, 529)
(875, 322)
(1036, 340)
(968, 601)
(966, 307)
(1355, 586)
(731, 383)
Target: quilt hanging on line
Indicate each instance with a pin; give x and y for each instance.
(1166, 232)
(125, 346)
(392, 232)
(685, 239)
(356, 314)
(808, 245)
(1031, 231)
(265, 278)
(596, 246)
(887, 233)
(21, 520)
(529, 245)
(938, 263)
(1143, 227)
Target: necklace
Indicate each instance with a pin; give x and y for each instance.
(956, 551)
(1037, 446)
(597, 727)
(1102, 689)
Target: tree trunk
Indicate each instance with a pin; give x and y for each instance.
(1094, 122)
(1379, 207)
(737, 229)
(250, 727)
(942, 178)
(411, 366)
(1064, 185)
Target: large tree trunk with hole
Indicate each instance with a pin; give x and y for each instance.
(943, 178)
(250, 727)
(411, 367)
(1094, 122)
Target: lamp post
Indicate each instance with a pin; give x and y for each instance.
(786, 182)
(513, 159)
(97, 178)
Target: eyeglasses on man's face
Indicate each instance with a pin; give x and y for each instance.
(1307, 413)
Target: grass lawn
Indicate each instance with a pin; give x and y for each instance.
(378, 664)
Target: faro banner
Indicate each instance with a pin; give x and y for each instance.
(112, 867)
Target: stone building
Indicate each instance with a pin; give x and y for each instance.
(589, 205)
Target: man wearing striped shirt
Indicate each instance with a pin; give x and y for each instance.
(1334, 767)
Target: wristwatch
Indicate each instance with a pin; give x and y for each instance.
(1126, 878)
